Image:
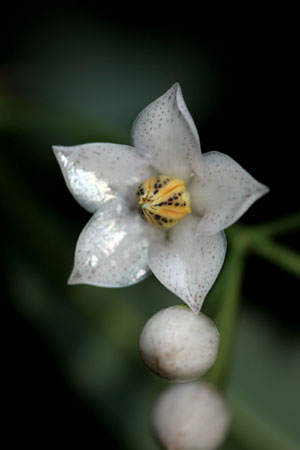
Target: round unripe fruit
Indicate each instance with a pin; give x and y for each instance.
(178, 345)
(191, 416)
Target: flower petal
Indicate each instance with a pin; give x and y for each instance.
(188, 263)
(112, 249)
(224, 192)
(96, 173)
(165, 133)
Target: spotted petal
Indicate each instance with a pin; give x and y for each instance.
(112, 249)
(97, 173)
(165, 133)
(188, 263)
(224, 192)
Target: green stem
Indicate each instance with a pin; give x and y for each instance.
(252, 431)
(227, 316)
(285, 258)
(212, 303)
(279, 226)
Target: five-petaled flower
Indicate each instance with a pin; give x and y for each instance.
(117, 248)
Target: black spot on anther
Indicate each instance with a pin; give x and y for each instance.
(141, 212)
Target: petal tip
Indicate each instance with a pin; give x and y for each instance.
(265, 190)
(195, 309)
(75, 277)
(57, 148)
(260, 191)
(176, 86)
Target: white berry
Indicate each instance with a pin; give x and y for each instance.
(179, 345)
(192, 416)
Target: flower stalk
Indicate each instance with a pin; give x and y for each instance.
(226, 317)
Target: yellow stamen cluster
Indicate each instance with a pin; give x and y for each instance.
(163, 201)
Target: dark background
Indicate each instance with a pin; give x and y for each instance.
(79, 73)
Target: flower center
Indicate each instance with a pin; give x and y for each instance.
(163, 201)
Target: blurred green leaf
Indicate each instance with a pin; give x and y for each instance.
(265, 376)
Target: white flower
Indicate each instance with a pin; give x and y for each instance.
(178, 345)
(192, 416)
(117, 248)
